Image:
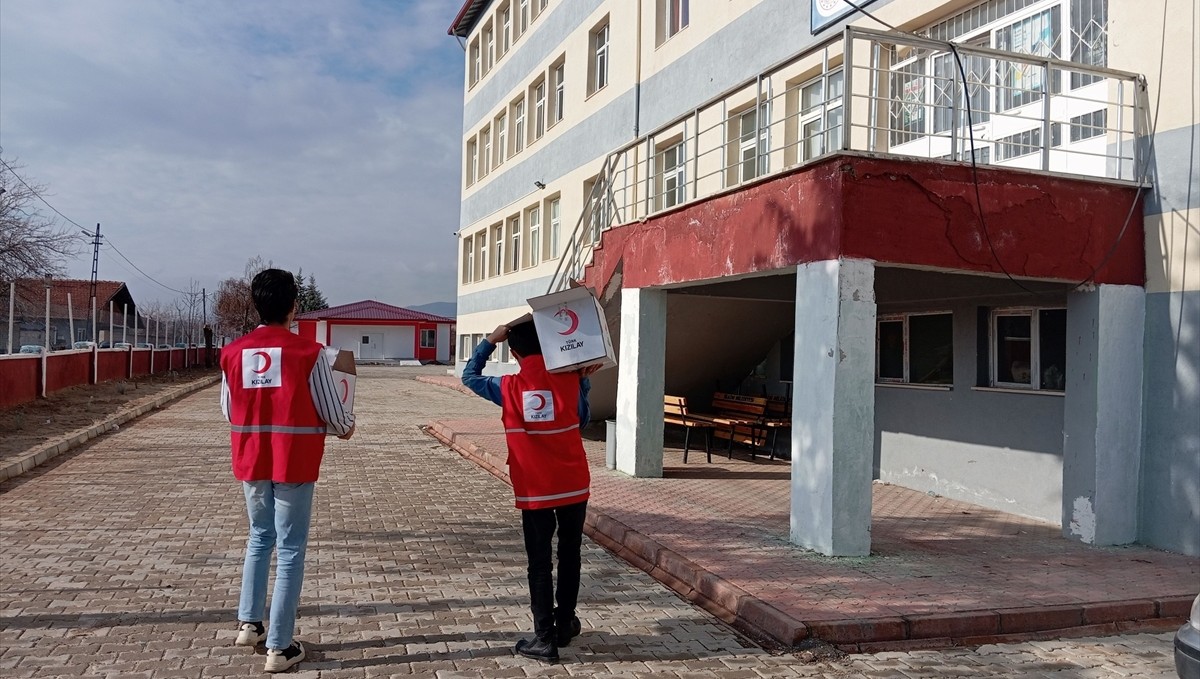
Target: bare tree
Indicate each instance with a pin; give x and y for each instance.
(31, 244)
(233, 305)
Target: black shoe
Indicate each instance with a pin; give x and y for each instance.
(568, 631)
(538, 649)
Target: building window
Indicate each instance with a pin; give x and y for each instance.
(480, 256)
(552, 240)
(366, 339)
(1089, 125)
(752, 129)
(1023, 83)
(505, 28)
(464, 347)
(671, 179)
(518, 114)
(476, 66)
(472, 160)
(489, 47)
(522, 17)
(557, 74)
(539, 109)
(514, 230)
(497, 262)
(534, 251)
(1089, 38)
(468, 260)
(501, 138)
(1027, 142)
(428, 338)
(1029, 349)
(821, 115)
(915, 349)
(672, 17)
(485, 157)
(598, 64)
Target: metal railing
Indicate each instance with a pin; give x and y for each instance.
(877, 92)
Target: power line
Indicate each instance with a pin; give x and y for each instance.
(39, 196)
(143, 273)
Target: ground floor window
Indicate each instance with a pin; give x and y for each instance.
(915, 348)
(428, 338)
(1029, 348)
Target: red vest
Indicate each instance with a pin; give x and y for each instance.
(276, 433)
(546, 461)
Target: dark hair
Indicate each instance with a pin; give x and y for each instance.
(523, 339)
(274, 292)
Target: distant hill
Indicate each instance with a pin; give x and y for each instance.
(447, 309)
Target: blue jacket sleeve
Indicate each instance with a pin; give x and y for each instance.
(585, 408)
(473, 377)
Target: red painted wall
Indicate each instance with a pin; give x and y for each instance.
(113, 365)
(898, 211)
(67, 370)
(141, 362)
(21, 377)
(161, 361)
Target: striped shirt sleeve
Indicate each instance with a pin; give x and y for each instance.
(325, 397)
(225, 397)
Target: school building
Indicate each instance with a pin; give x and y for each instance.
(958, 238)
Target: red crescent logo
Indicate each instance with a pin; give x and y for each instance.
(266, 362)
(541, 401)
(572, 318)
(345, 389)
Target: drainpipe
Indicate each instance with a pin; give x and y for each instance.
(637, 76)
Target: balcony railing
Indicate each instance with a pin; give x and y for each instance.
(876, 92)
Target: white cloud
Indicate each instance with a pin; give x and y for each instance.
(318, 135)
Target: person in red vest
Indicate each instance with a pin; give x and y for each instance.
(542, 413)
(278, 393)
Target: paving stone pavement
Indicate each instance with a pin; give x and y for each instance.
(122, 559)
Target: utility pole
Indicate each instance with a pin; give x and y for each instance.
(95, 270)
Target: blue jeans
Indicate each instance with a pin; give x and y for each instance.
(279, 517)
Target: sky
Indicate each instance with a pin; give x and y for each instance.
(317, 134)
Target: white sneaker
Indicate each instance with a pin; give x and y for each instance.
(279, 660)
(251, 634)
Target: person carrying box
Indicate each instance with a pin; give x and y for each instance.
(542, 413)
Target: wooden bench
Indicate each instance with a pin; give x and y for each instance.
(675, 411)
(779, 416)
(743, 419)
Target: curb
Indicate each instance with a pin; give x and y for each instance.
(761, 620)
(52, 449)
(438, 383)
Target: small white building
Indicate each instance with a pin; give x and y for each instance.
(374, 330)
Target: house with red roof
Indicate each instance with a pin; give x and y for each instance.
(374, 330)
(70, 311)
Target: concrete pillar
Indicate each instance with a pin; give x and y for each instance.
(833, 408)
(1102, 415)
(640, 382)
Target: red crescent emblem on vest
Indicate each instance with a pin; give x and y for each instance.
(572, 318)
(266, 362)
(541, 401)
(345, 389)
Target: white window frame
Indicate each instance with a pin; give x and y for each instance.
(906, 342)
(501, 127)
(554, 210)
(506, 36)
(757, 142)
(514, 232)
(822, 116)
(485, 156)
(673, 17)
(560, 92)
(468, 260)
(671, 178)
(534, 215)
(600, 57)
(518, 121)
(488, 43)
(1035, 348)
(522, 17)
(472, 160)
(497, 250)
(539, 109)
(475, 62)
(432, 344)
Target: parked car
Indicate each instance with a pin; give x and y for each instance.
(31, 349)
(164, 346)
(1187, 645)
(180, 345)
(83, 345)
(144, 345)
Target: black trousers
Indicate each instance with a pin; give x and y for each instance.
(539, 526)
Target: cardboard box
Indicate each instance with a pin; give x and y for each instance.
(572, 330)
(344, 374)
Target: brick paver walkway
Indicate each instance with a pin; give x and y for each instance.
(122, 559)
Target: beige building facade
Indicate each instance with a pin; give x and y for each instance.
(991, 207)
